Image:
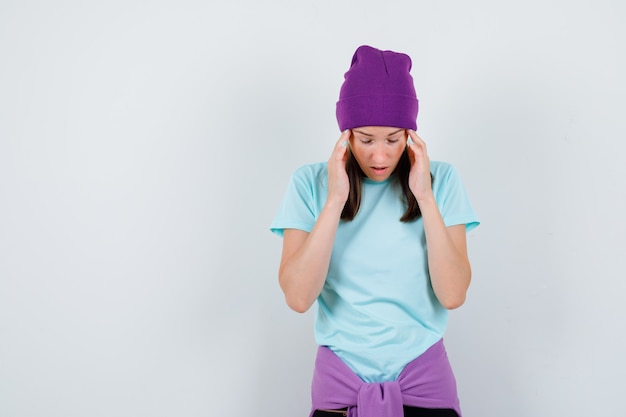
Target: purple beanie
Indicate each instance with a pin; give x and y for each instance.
(378, 90)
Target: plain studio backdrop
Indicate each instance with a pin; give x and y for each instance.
(145, 147)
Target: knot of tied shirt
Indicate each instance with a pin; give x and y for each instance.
(376, 399)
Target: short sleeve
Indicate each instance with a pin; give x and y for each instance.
(452, 198)
(300, 205)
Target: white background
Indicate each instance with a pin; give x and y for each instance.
(145, 146)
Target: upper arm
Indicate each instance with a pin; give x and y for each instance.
(459, 237)
(293, 239)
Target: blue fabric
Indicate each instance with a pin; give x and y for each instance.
(377, 310)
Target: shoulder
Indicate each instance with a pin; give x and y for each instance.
(445, 176)
(441, 167)
(313, 169)
(311, 173)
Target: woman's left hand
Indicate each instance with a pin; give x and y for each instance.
(419, 176)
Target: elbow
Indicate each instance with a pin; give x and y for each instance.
(294, 300)
(452, 303)
(298, 307)
(453, 296)
(297, 304)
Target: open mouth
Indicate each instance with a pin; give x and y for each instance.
(379, 170)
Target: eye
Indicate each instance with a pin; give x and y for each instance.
(394, 140)
(365, 141)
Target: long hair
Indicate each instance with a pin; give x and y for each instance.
(400, 175)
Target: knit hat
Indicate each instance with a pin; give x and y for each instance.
(378, 90)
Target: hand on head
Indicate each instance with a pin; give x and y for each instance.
(338, 184)
(419, 176)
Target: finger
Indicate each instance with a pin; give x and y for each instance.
(414, 138)
(342, 144)
(411, 145)
(416, 144)
(343, 138)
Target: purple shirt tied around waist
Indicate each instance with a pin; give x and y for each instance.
(426, 382)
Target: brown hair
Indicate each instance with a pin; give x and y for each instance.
(400, 175)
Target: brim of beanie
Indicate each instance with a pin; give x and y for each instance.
(391, 110)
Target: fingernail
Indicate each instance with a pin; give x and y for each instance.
(344, 143)
(410, 141)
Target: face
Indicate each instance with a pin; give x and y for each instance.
(377, 149)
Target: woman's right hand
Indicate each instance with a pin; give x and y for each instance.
(306, 256)
(338, 183)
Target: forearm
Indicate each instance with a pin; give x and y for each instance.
(303, 272)
(448, 264)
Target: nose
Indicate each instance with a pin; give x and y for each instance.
(379, 154)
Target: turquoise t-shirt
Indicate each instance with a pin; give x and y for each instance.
(377, 310)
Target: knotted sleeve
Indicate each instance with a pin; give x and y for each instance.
(380, 399)
(426, 382)
(335, 386)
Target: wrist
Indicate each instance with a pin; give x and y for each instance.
(334, 205)
(426, 200)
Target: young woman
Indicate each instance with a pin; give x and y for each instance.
(377, 236)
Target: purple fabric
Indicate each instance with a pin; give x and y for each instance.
(426, 382)
(378, 90)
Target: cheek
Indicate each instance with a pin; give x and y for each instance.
(398, 152)
(357, 151)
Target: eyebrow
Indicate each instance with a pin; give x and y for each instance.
(370, 135)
